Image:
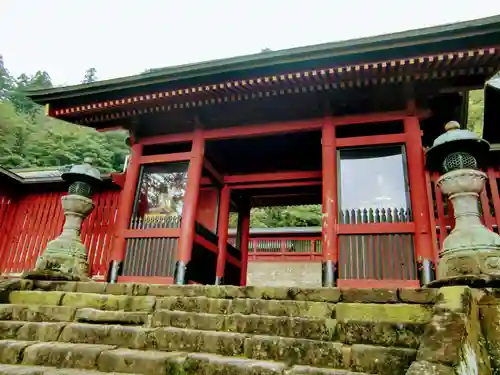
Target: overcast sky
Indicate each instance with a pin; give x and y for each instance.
(123, 37)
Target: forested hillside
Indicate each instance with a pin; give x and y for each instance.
(30, 139)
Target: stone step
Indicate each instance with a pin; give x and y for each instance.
(347, 331)
(108, 358)
(333, 295)
(247, 306)
(261, 347)
(43, 370)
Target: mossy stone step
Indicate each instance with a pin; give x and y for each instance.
(83, 300)
(311, 328)
(38, 313)
(247, 306)
(42, 370)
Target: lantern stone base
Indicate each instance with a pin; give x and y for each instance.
(473, 281)
(470, 249)
(65, 258)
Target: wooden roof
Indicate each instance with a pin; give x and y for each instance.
(448, 53)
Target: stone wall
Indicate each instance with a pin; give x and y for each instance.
(292, 274)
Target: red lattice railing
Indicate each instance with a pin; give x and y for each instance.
(30, 222)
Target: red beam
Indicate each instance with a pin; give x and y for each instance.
(167, 138)
(165, 158)
(258, 130)
(110, 129)
(268, 177)
(276, 185)
(377, 117)
(215, 174)
(371, 140)
(376, 228)
(151, 233)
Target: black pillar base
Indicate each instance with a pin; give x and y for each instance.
(426, 271)
(330, 273)
(180, 273)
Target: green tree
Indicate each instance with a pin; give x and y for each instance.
(90, 76)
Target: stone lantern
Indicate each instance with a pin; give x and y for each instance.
(66, 256)
(471, 251)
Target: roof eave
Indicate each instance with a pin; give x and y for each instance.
(259, 60)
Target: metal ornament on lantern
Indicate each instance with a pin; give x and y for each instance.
(66, 256)
(470, 250)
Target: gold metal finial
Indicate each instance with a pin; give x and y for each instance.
(452, 125)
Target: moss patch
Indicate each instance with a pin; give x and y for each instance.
(391, 313)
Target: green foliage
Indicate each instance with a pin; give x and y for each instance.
(28, 138)
(90, 76)
(476, 111)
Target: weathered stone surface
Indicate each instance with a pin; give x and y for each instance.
(42, 370)
(11, 350)
(332, 295)
(124, 337)
(40, 331)
(372, 295)
(443, 339)
(282, 308)
(7, 312)
(392, 313)
(179, 290)
(490, 322)
(316, 329)
(9, 285)
(143, 362)
(210, 364)
(141, 303)
(85, 333)
(295, 351)
(35, 313)
(284, 274)
(96, 301)
(88, 315)
(36, 297)
(182, 319)
(174, 339)
(8, 329)
(90, 287)
(381, 333)
(64, 355)
(224, 343)
(60, 286)
(307, 370)
(424, 295)
(428, 368)
(127, 289)
(381, 360)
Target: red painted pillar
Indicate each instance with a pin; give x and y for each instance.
(329, 231)
(245, 237)
(125, 207)
(419, 200)
(223, 226)
(190, 207)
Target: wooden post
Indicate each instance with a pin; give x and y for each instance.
(329, 230)
(244, 238)
(418, 192)
(125, 207)
(223, 226)
(186, 238)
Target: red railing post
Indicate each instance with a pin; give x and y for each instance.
(244, 238)
(126, 204)
(416, 171)
(225, 207)
(329, 235)
(186, 236)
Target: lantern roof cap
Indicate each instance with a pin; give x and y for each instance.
(454, 133)
(84, 172)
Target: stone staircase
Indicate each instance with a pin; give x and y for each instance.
(95, 328)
